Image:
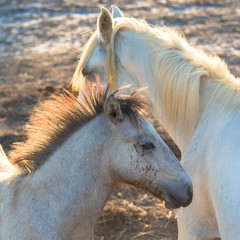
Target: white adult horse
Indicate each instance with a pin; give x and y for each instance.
(73, 156)
(196, 99)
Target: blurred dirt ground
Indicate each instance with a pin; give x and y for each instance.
(39, 45)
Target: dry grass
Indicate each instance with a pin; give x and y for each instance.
(130, 215)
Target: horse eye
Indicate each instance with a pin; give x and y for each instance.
(85, 71)
(148, 146)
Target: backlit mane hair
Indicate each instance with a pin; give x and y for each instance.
(178, 69)
(54, 120)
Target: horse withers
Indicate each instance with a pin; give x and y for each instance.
(74, 154)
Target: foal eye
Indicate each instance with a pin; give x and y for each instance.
(148, 146)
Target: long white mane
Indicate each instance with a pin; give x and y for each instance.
(178, 69)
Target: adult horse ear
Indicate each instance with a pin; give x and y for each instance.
(105, 25)
(112, 109)
(116, 12)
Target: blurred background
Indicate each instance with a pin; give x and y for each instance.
(39, 45)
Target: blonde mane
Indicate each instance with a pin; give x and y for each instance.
(54, 120)
(178, 69)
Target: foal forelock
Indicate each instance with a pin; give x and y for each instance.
(178, 69)
(54, 120)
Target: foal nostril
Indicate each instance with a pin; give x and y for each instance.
(190, 193)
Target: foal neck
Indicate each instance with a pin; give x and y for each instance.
(75, 181)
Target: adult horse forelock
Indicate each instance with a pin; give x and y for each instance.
(197, 101)
(74, 153)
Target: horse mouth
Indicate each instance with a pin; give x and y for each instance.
(172, 203)
(158, 194)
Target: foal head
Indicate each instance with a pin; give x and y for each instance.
(139, 156)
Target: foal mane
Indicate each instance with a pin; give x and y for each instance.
(54, 120)
(178, 70)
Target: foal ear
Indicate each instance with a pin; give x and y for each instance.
(116, 12)
(112, 110)
(105, 25)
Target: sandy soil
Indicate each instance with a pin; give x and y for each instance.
(39, 45)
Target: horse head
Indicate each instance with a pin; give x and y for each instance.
(110, 51)
(142, 159)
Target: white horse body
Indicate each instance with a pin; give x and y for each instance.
(209, 141)
(212, 160)
(63, 197)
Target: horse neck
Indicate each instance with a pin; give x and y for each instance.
(136, 68)
(210, 107)
(76, 178)
(134, 62)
